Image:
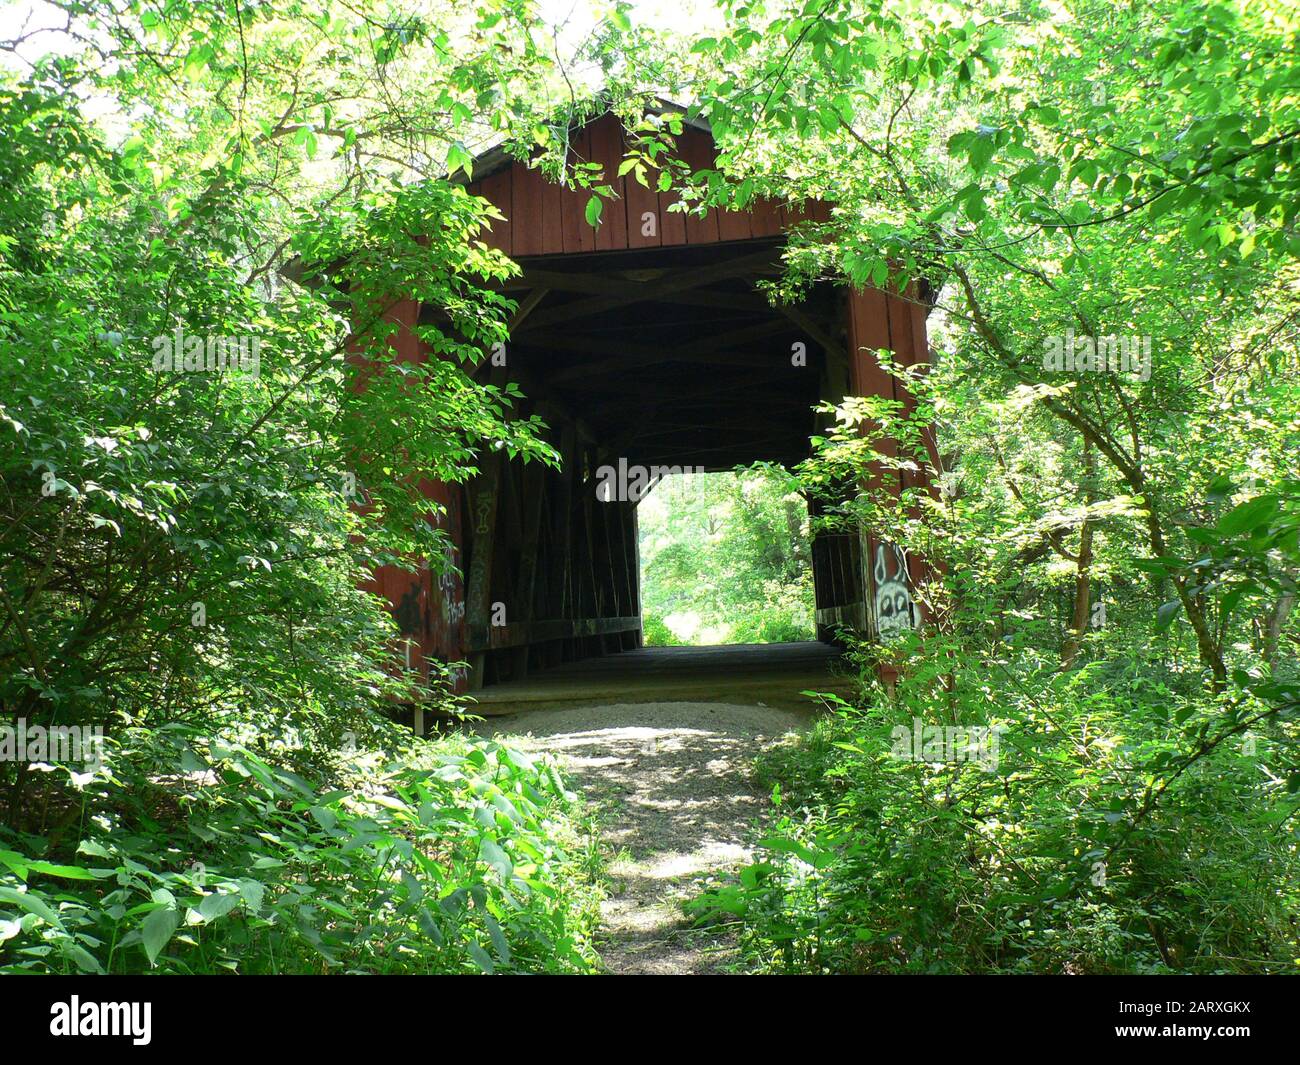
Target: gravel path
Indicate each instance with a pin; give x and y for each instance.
(671, 782)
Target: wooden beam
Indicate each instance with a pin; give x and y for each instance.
(483, 514)
(562, 516)
(833, 348)
(678, 281)
(626, 292)
(631, 355)
(526, 307)
(518, 633)
(533, 491)
(845, 616)
(723, 392)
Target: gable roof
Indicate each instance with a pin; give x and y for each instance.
(495, 157)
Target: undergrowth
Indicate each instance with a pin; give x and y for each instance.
(187, 853)
(1051, 858)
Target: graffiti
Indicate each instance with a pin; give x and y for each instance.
(895, 611)
(483, 508)
(453, 602)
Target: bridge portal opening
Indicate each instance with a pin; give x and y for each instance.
(726, 559)
(644, 337)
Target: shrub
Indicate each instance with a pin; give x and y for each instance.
(1058, 860)
(657, 633)
(189, 854)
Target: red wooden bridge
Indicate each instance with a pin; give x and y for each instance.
(642, 341)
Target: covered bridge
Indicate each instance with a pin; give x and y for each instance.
(641, 342)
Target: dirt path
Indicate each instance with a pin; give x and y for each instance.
(671, 783)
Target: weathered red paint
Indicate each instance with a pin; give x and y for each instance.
(544, 219)
(429, 608)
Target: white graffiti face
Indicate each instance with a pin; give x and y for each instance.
(895, 610)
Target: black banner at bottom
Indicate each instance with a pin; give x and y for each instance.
(205, 1016)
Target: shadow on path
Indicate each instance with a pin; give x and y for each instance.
(671, 781)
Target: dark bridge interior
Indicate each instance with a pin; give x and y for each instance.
(644, 339)
(667, 357)
(672, 356)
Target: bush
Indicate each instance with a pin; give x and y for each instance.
(1058, 860)
(657, 633)
(772, 625)
(188, 854)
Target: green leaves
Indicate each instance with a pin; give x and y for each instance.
(66, 872)
(978, 146)
(817, 858)
(497, 858)
(1249, 516)
(459, 160)
(32, 903)
(217, 905)
(23, 867)
(410, 870)
(157, 929)
(1166, 614)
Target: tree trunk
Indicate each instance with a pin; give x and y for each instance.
(1274, 622)
(1082, 566)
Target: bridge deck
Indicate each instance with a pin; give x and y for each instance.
(773, 673)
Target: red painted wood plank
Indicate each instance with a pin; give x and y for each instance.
(578, 235)
(697, 149)
(796, 213)
(607, 150)
(902, 344)
(819, 210)
(869, 331)
(921, 358)
(921, 570)
(406, 313)
(552, 220)
(526, 212)
(643, 232)
(764, 218)
(496, 190)
(734, 225)
(672, 224)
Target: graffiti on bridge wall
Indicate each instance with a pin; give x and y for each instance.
(894, 611)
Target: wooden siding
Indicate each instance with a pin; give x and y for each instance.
(544, 219)
(535, 541)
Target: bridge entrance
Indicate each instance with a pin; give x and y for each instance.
(646, 346)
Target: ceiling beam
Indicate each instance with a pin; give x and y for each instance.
(814, 329)
(634, 356)
(678, 281)
(718, 390)
(630, 291)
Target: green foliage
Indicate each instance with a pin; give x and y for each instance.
(655, 633)
(1130, 820)
(194, 854)
(184, 541)
(725, 559)
(1114, 553)
(1113, 565)
(1053, 862)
